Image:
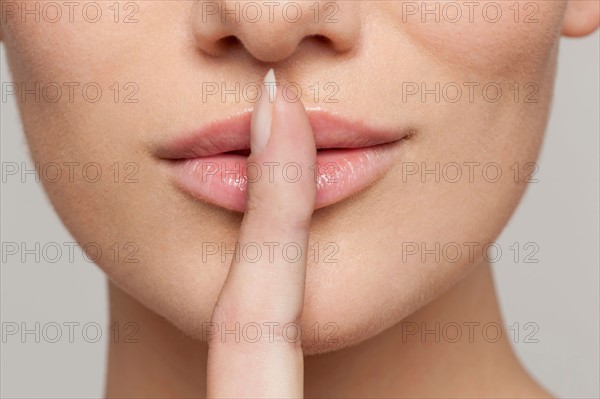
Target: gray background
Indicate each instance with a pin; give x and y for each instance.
(560, 294)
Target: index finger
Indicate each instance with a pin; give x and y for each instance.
(266, 295)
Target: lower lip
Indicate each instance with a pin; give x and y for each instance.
(222, 179)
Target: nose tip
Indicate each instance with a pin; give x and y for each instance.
(273, 34)
(277, 44)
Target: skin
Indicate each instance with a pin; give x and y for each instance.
(371, 291)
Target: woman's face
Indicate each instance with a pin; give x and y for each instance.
(471, 81)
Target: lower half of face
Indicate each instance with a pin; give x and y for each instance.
(473, 89)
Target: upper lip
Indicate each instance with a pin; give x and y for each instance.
(233, 134)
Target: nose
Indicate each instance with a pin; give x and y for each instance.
(272, 31)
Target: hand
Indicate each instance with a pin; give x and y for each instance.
(263, 297)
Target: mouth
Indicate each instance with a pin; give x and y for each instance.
(212, 164)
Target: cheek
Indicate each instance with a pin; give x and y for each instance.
(482, 36)
(94, 37)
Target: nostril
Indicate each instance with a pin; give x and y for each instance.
(229, 42)
(321, 39)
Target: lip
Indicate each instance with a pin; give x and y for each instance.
(211, 163)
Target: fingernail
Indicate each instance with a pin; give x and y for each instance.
(263, 114)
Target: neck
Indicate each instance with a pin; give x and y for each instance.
(449, 348)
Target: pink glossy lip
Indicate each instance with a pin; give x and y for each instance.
(212, 163)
